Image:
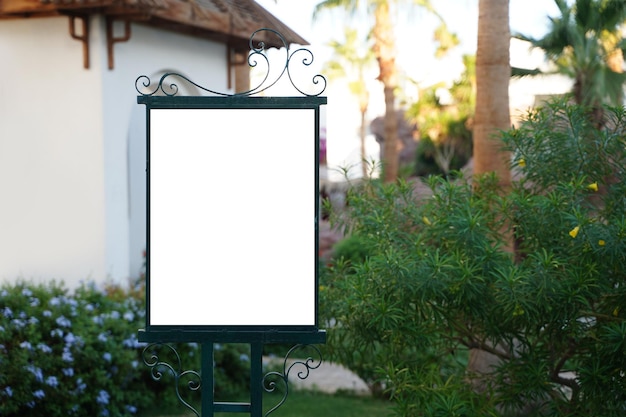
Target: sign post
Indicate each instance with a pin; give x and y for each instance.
(211, 276)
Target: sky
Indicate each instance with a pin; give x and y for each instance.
(416, 60)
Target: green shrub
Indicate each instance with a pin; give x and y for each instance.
(352, 249)
(77, 354)
(439, 283)
(68, 355)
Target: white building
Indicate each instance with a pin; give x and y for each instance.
(72, 136)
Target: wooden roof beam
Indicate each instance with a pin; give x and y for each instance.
(112, 39)
(83, 37)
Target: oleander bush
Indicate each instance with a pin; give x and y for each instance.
(438, 283)
(77, 354)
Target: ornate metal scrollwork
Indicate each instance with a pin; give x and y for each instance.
(158, 367)
(257, 53)
(313, 361)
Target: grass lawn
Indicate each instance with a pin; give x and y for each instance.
(315, 404)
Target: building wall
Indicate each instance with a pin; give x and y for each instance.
(71, 141)
(149, 52)
(51, 167)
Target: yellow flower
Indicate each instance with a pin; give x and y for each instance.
(521, 163)
(593, 186)
(574, 232)
(601, 242)
(426, 221)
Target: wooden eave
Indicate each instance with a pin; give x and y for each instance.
(228, 21)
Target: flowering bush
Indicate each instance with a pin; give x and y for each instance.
(77, 354)
(68, 355)
(438, 285)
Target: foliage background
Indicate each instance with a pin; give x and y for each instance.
(77, 354)
(437, 281)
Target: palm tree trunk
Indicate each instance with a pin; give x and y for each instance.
(492, 115)
(362, 134)
(385, 51)
(364, 100)
(492, 89)
(615, 62)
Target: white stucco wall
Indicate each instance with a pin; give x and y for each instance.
(149, 52)
(67, 208)
(51, 167)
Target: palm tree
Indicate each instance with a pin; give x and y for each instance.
(585, 43)
(492, 88)
(351, 61)
(491, 116)
(445, 127)
(384, 49)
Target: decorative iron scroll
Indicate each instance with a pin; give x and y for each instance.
(158, 367)
(305, 366)
(257, 53)
(273, 381)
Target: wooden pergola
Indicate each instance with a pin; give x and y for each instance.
(226, 21)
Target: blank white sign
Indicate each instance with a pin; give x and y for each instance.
(232, 217)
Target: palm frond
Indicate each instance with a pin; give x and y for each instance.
(517, 72)
(351, 6)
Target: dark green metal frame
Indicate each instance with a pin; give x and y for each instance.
(260, 383)
(173, 333)
(256, 336)
(164, 96)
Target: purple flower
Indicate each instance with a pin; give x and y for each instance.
(131, 409)
(44, 348)
(102, 337)
(26, 292)
(103, 397)
(70, 339)
(26, 345)
(39, 394)
(68, 371)
(37, 372)
(7, 312)
(52, 381)
(18, 323)
(56, 332)
(67, 355)
(132, 342)
(9, 391)
(80, 385)
(47, 313)
(107, 356)
(62, 321)
(54, 301)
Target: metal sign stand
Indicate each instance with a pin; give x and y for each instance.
(260, 382)
(166, 324)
